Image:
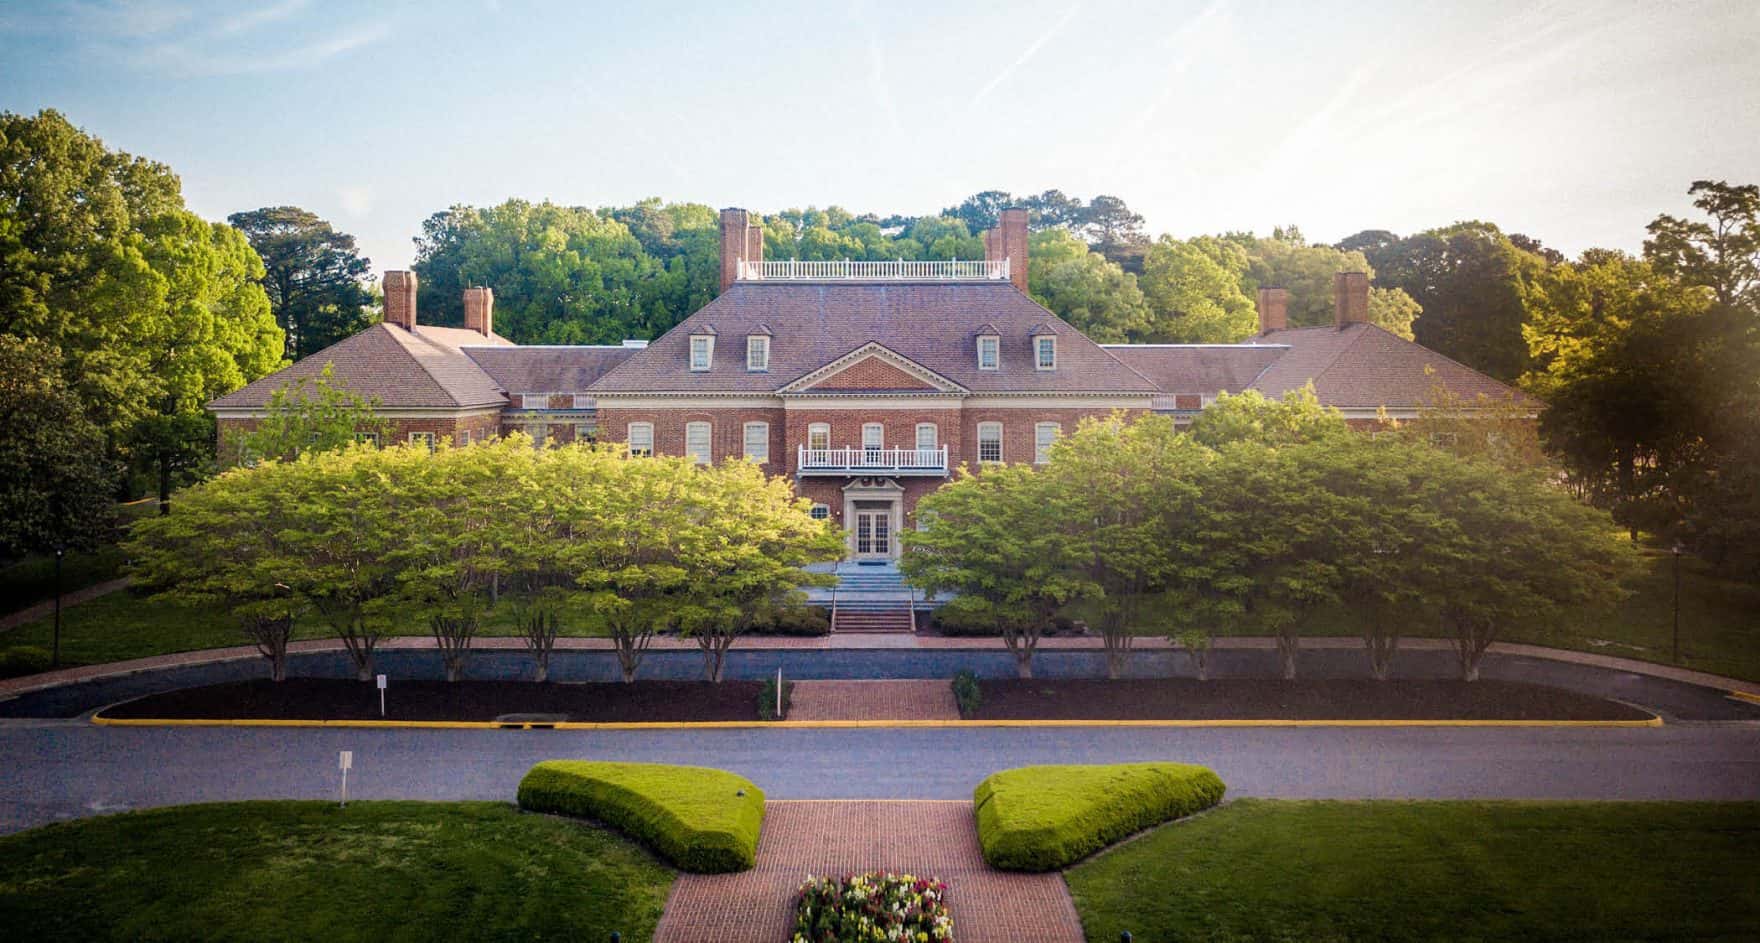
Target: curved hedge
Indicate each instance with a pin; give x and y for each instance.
(700, 819)
(1040, 818)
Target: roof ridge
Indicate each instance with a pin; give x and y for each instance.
(419, 362)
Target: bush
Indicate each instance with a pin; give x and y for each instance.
(871, 906)
(966, 694)
(701, 820)
(951, 621)
(767, 699)
(1040, 818)
(21, 660)
(804, 621)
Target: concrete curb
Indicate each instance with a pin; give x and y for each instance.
(101, 720)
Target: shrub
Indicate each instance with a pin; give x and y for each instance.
(767, 699)
(21, 660)
(701, 820)
(967, 694)
(1039, 818)
(871, 906)
(805, 621)
(951, 621)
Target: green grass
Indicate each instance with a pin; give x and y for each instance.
(32, 580)
(1040, 818)
(297, 871)
(1408, 871)
(700, 819)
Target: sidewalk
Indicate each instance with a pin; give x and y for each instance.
(43, 610)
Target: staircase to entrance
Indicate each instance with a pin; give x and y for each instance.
(870, 598)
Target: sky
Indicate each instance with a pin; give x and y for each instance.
(1575, 123)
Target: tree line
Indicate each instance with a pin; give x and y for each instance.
(1262, 515)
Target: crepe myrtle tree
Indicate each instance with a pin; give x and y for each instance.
(223, 547)
(756, 568)
(986, 542)
(1119, 492)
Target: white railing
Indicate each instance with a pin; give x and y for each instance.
(901, 270)
(865, 460)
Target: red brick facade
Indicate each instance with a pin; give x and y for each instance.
(871, 373)
(479, 427)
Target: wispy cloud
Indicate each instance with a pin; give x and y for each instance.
(197, 58)
(879, 86)
(247, 21)
(1026, 54)
(356, 201)
(1193, 34)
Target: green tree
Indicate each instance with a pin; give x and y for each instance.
(986, 541)
(1194, 299)
(311, 415)
(1080, 286)
(1721, 253)
(1252, 417)
(59, 479)
(314, 276)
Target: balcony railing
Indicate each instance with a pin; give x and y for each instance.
(955, 270)
(867, 461)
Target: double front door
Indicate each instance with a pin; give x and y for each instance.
(873, 530)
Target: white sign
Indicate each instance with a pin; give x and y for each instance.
(381, 682)
(347, 760)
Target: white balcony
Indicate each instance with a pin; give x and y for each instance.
(872, 461)
(956, 270)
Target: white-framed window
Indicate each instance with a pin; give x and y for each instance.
(928, 435)
(873, 437)
(989, 352)
(540, 433)
(641, 439)
(697, 439)
(1045, 352)
(758, 353)
(370, 438)
(989, 441)
(1206, 400)
(702, 351)
(464, 438)
(1045, 433)
(820, 512)
(422, 438)
(757, 441)
(534, 400)
(583, 432)
(819, 436)
(583, 401)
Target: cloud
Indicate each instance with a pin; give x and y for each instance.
(879, 86)
(245, 22)
(1026, 54)
(356, 201)
(196, 59)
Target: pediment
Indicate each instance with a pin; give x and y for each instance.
(873, 368)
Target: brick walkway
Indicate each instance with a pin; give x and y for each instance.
(927, 839)
(44, 610)
(873, 700)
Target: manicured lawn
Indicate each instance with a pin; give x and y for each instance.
(296, 871)
(1396, 871)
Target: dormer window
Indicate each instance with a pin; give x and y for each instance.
(1045, 352)
(989, 352)
(702, 351)
(758, 353)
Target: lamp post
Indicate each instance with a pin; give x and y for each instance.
(55, 652)
(1677, 602)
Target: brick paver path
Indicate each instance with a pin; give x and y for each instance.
(873, 700)
(927, 839)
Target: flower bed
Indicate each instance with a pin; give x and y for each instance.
(871, 907)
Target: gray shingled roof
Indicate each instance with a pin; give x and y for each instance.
(546, 369)
(398, 368)
(1365, 365)
(932, 324)
(1196, 370)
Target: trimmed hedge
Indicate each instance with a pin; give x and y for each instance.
(702, 820)
(1041, 818)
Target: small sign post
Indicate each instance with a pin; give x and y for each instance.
(346, 760)
(381, 696)
(779, 695)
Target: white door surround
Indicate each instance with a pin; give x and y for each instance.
(873, 512)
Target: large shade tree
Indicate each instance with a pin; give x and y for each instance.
(315, 277)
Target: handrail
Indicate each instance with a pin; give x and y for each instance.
(970, 270)
(935, 458)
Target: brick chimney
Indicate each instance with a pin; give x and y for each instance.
(479, 310)
(1009, 241)
(400, 299)
(1350, 297)
(1273, 309)
(741, 241)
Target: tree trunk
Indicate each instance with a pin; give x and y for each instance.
(278, 666)
(1023, 665)
(1287, 646)
(543, 673)
(1471, 673)
(164, 482)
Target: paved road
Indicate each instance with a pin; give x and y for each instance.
(61, 769)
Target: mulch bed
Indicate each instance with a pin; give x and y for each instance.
(1264, 699)
(332, 699)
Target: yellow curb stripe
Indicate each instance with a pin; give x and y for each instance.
(1653, 721)
(1745, 696)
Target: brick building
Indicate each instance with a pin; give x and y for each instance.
(867, 383)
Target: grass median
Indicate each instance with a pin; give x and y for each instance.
(1411, 871)
(294, 871)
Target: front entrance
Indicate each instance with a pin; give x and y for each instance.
(873, 530)
(873, 511)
